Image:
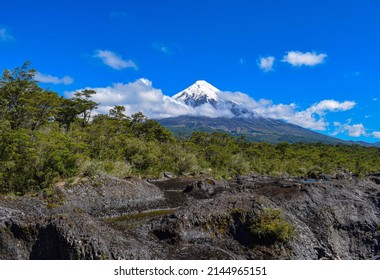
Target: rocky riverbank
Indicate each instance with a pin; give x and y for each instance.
(251, 217)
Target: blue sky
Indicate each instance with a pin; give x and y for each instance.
(315, 62)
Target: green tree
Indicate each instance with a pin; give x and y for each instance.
(41, 109)
(76, 109)
(22, 102)
(148, 129)
(17, 87)
(85, 105)
(117, 113)
(67, 112)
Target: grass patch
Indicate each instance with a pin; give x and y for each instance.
(53, 197)
(270, 226)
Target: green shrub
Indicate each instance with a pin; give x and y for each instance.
(270, 226)
(239, 165)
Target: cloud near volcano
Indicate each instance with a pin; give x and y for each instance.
(141, 96)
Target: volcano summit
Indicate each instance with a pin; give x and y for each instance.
(199, 93)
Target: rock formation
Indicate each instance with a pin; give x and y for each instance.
(250, 217)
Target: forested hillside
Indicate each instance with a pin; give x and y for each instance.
(45, 138)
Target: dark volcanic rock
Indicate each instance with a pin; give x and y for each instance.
(110, 196)
(375, 178)
(76, 229)
(185, 218)
(205, 188)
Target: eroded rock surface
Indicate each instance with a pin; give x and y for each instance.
(188, 218)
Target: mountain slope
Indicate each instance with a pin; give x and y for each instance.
(255, 129)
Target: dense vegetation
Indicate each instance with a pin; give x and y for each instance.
(45, 138)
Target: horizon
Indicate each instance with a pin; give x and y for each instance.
(314, 65)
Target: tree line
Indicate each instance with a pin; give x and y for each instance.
(46, 138)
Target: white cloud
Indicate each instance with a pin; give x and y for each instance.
(141, 96)
(332, 106)
(137, 96)
(5, 35)
(297, 58)
(113, 60)
(375, 99)
(312, 117)
(376, 134)
(305, 118)
(43, 78)
(266, 63)
(354, 130)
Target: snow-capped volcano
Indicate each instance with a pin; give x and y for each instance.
(199, 93)
(202, 92)
(233, 112)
